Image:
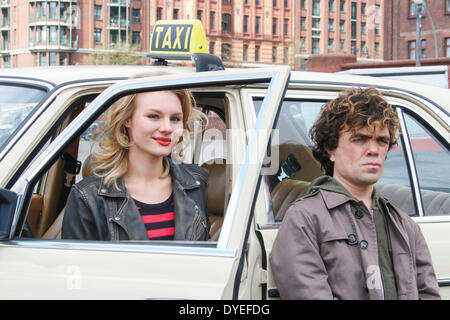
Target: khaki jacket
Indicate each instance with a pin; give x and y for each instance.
(326, 249)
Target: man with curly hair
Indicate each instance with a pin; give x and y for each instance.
(343, 240)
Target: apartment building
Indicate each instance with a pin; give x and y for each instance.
(65, 32)
(241, 32)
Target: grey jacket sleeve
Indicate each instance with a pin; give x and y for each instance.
(298, 270)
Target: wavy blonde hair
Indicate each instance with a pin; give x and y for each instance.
(111, 161)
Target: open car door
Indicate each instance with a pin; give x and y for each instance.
(71, 269)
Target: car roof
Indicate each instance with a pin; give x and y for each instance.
(61, 74)
(441, 96)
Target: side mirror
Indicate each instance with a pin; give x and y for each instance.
(8, 203)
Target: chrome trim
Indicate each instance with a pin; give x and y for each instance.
(444, 282)
(410, 158)
(431, 219)
(171, 248)
(26, 81)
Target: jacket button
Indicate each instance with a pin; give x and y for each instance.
(103, 190)
(359, 214)
(197, 182)
(352, 239)
(363, 244)
(117, 218)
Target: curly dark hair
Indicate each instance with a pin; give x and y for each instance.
(352, 110)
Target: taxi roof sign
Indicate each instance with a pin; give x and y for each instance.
(177, 39)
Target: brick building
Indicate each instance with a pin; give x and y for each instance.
(435, 29)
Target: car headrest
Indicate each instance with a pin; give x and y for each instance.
(216, 186)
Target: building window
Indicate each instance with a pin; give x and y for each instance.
(353, 47)
(377, 29)
(275, 3)
(257, 25)
(52, 59)
(331, 45)
(377, 49)
(302, 43)
(274, 54)
(412, 49)
(447, 7)
(447, 44)
(62, 34)
(44, 34)
(62, 58)
(176, 12)
(257, 49)
(286, 27)
(159, 13)
(136, 13)
(363, 8)
(200, 15)
(353, 10)
(136, 38)
(286, 4)
(42, 59)
(97, 35)
(97, 12)
(342, 6)
(303, 23)
(316, 8)
(274, 26)
(43, 9)
(212, 19)
(315, 45)
(52, 13)
(363, 28)
(245, 52)
(316, 27)
(226, 22)
(211, 47)
(330, 5)
(342, 25)
(353, 29)
(53, 34)
(330, 24)
(245, 24)
(226, 52)
(303, 4)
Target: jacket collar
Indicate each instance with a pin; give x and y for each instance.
(179, 174)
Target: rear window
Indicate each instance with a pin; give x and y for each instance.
(16, 103)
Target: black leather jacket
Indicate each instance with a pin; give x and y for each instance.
(95, 211)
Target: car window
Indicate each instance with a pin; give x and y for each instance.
(16, 102)
(432, 162)
(295, 165)
(395, 184)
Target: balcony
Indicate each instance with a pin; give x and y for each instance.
(116, 23)
(53, 46)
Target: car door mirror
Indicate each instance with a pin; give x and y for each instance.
(8, 203)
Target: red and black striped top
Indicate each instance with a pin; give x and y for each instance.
(159, 219)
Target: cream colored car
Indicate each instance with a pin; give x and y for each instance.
(251, 111)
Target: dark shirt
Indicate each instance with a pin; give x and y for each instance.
(159, 219)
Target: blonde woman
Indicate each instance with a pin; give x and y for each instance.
(136, 191)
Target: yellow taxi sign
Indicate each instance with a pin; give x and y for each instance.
(177, 39)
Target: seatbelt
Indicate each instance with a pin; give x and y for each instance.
(71, 167)
(288, 169)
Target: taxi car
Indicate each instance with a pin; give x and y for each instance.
(258, 154)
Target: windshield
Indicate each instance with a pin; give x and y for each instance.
(16, 102)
